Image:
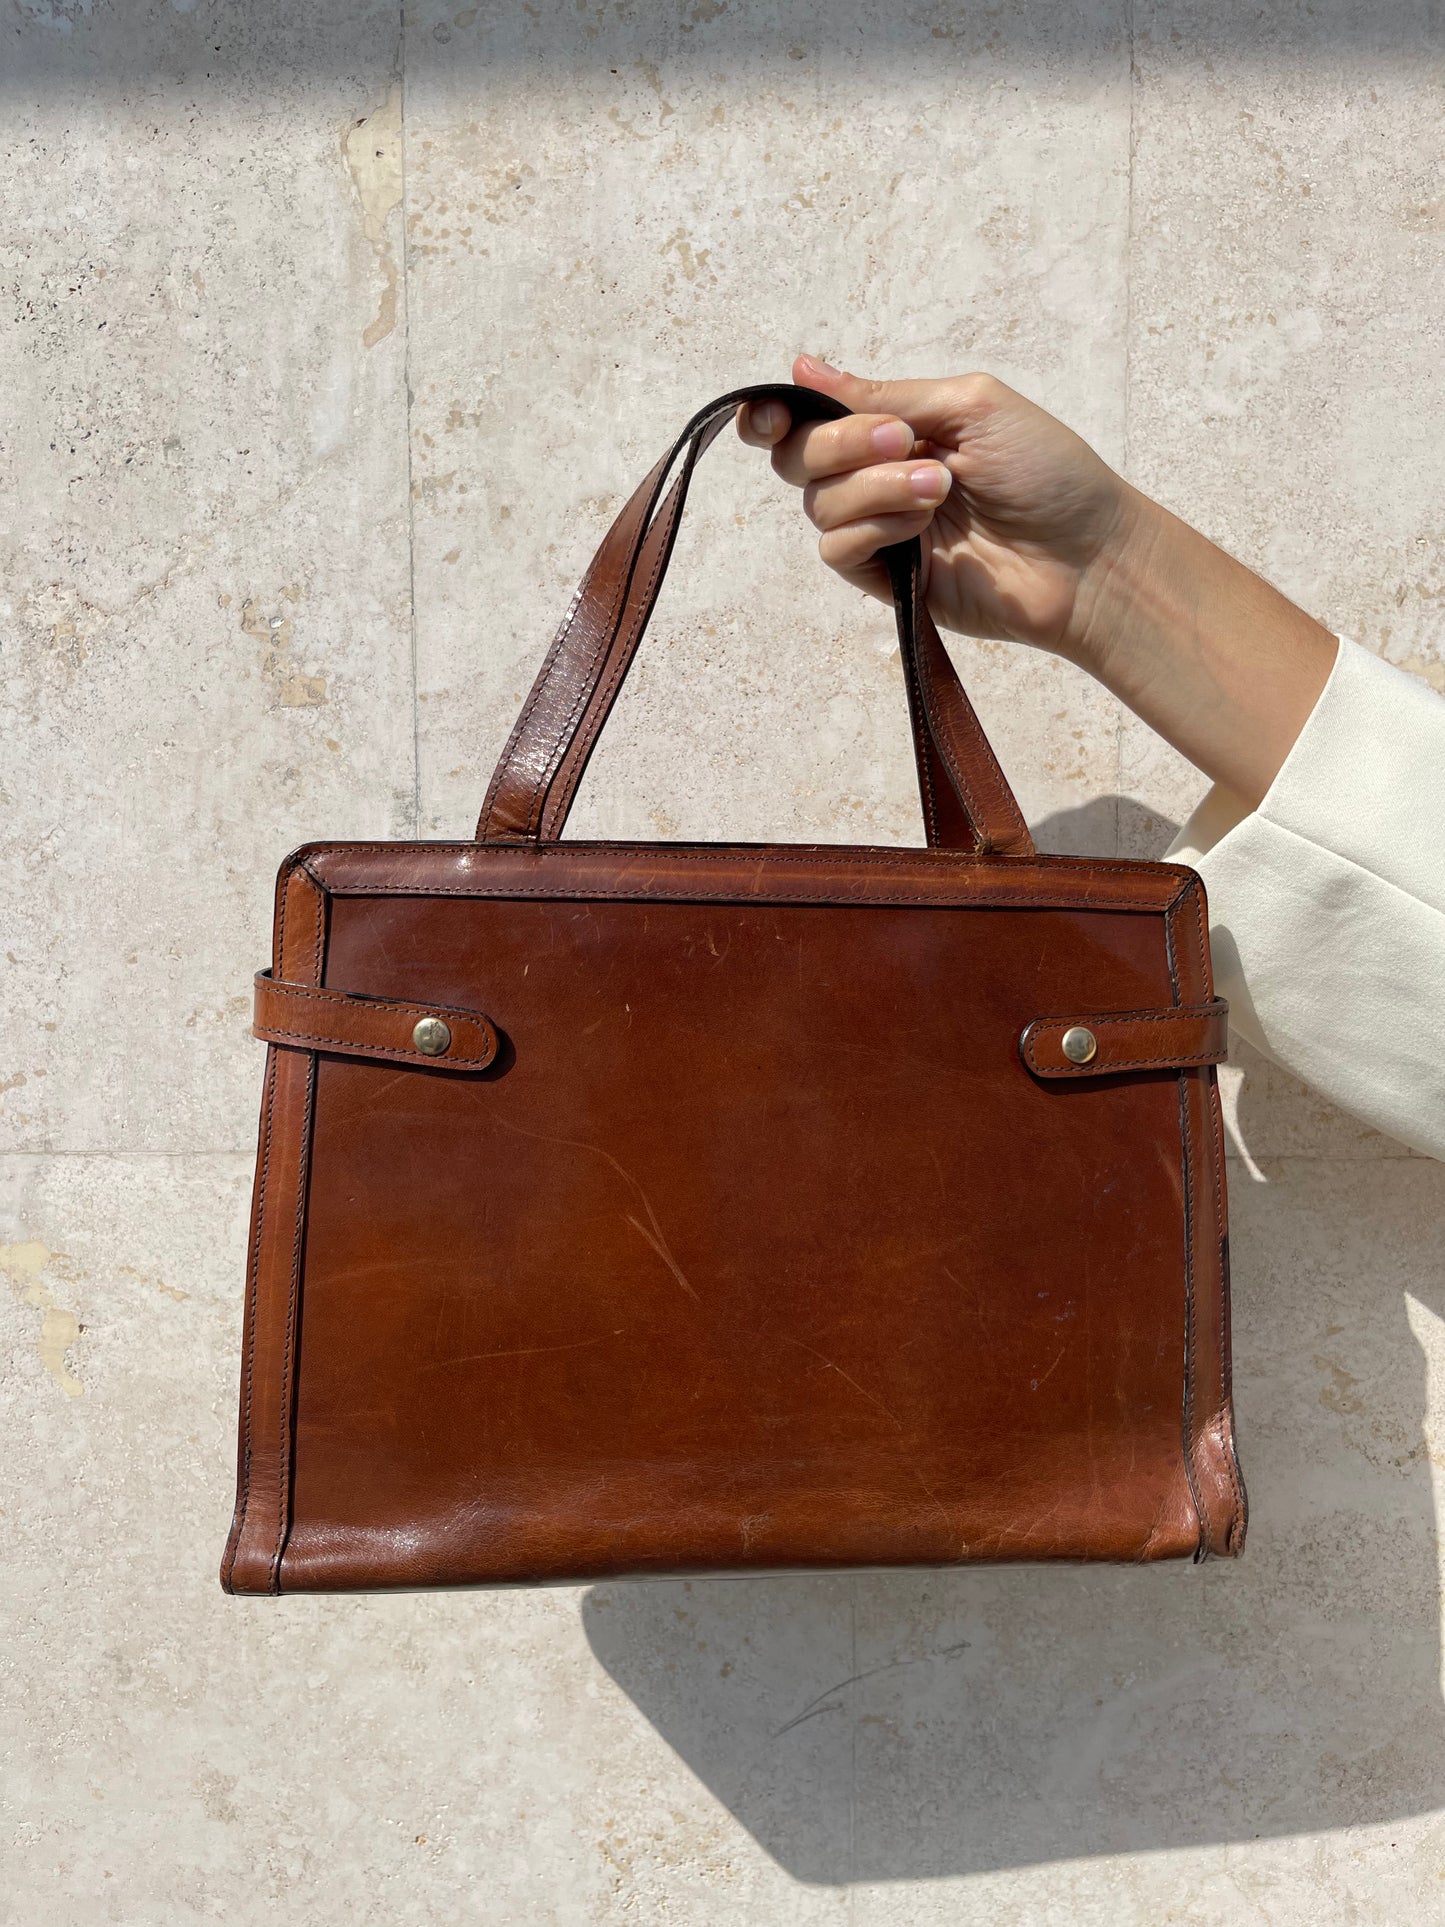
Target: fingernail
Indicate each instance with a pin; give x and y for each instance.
(930, 484)
(767, 416)
(818, 367)
(893, 440)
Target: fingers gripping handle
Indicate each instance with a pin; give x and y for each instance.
(967, 802)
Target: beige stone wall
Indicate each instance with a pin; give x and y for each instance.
(336, 335)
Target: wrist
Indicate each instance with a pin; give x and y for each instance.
(1123, 606)
(1217, 660)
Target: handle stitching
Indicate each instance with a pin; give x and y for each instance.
(1007, 812)
(693, 433)
(538, 690)
(551, 798)
(908, 656)
(551, 667)
(981, 833)
(607, 637)
(599, 700)
(585, 737)
(665, 519)
(614, 610)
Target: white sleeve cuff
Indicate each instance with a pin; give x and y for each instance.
(1327, 902)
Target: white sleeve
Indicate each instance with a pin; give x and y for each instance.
(1327, 902)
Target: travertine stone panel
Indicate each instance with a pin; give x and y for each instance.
(630, 217)
(208, 654)
(1287, 345)
(1287, 381)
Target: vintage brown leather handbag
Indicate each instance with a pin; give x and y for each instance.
(661, 1208)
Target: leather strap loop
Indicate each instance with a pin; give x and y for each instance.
(302, 1017)
(967, 802)
(1175, 1038)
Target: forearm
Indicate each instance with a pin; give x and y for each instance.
(1218, 662)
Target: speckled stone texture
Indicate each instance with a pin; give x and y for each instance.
(338, 333)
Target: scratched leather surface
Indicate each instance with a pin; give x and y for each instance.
(776, 1233)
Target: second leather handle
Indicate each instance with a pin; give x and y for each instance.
(967, 802)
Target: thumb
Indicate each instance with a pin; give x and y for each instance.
(926, 406)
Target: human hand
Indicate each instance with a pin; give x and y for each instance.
(1030, 536)
(1021, 521)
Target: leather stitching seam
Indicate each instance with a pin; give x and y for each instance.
(283, 1483)
(538, 690)
(1007, 821)
(595, 713)
(378, 1006)
(253, 1270)
(991, 900)
(572, 744)
(607, 635)
(925, 744)
(1051, 1027)
(1187, 1137)
(1171, 956)
(272, 1033)
(254, 1257)
(982, 829)
(1106, 1020)
(918, 716)
(617, 607)
(1186, 1145)
(820, 856)
(1195, 897)
(283, 1466)
(1099, 1067)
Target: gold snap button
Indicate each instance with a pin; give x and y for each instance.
(431, 1037)
(1078, 1045)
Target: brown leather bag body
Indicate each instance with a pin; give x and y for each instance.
(662, 1208)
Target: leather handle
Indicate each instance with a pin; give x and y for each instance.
(967, 802)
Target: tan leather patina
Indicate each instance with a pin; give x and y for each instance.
(753, 1214)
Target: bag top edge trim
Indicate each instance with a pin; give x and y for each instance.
(834, 874)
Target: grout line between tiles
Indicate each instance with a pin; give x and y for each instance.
(1132, 76)
(410, 483)
(1129, 219)
(853, 1670)
(248, 1151)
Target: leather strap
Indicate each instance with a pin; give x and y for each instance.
(1175, 1039)
(967, 803)
(305, 1018)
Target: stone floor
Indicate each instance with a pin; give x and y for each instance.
(340, 330)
